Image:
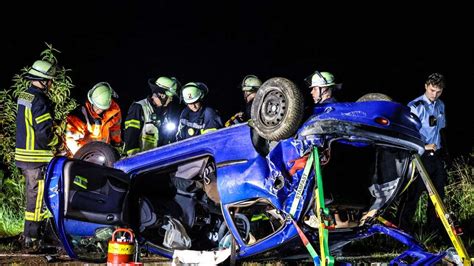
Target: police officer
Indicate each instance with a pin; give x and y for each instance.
(34, 142)
(148, 119)
(431, 112)
(322, 85)
(196, 119)
(250, 84)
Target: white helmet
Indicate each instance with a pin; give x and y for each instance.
(192, 93)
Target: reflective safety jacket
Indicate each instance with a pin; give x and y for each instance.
(34, 129)
(197, 123)
(141, 132)
(84, 125)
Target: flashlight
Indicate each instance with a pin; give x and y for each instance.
(170, 126)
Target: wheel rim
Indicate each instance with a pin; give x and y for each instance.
(274, 108)
(95, 157)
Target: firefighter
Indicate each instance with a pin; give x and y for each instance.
(150, 121)
(322, 85)
(35, 139)
(250, 85)
(196, 118)
(98, 120)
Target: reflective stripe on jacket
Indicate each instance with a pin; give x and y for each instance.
(34, 129)
(140, 132)
(150, 133)
(197, 123)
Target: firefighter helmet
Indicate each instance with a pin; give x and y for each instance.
(322, 80)
(101, 95)
(192, 92)
(251, 83)
(166, 85)
(41, 70)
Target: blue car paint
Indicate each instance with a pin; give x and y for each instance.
(53, 196)
(222, 144)
(243, 174)
(366, 112)
(415, 250)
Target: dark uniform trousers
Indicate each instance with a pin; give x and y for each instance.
(434, 165)
(34, 213)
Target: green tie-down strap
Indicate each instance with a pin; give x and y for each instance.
(321, 212)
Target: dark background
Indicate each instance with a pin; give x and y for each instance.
(388, 48)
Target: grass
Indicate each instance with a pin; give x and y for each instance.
(12, 207)
(459, 201)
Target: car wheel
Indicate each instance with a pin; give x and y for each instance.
(374, 96)
(98, 152)
(277, 109)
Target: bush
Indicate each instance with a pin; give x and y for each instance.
(12, 186)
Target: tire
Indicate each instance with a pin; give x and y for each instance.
(277, 109)
(374, 96)
(99, 153)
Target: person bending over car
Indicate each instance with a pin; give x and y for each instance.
(148, 118)
(196, 119)
(99, 119)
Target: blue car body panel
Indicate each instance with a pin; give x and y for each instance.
(365, 113)
(53, 198)
(244, 174)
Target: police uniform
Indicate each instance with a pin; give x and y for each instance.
(433, 120)
(34, 140)
(197, 123)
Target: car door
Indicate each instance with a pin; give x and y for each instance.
(87, 202)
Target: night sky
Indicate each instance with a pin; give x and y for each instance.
(389, 49)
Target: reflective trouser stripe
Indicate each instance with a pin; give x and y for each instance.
(36, 216)
(30, 216)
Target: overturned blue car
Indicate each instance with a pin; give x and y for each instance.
(275, 187)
